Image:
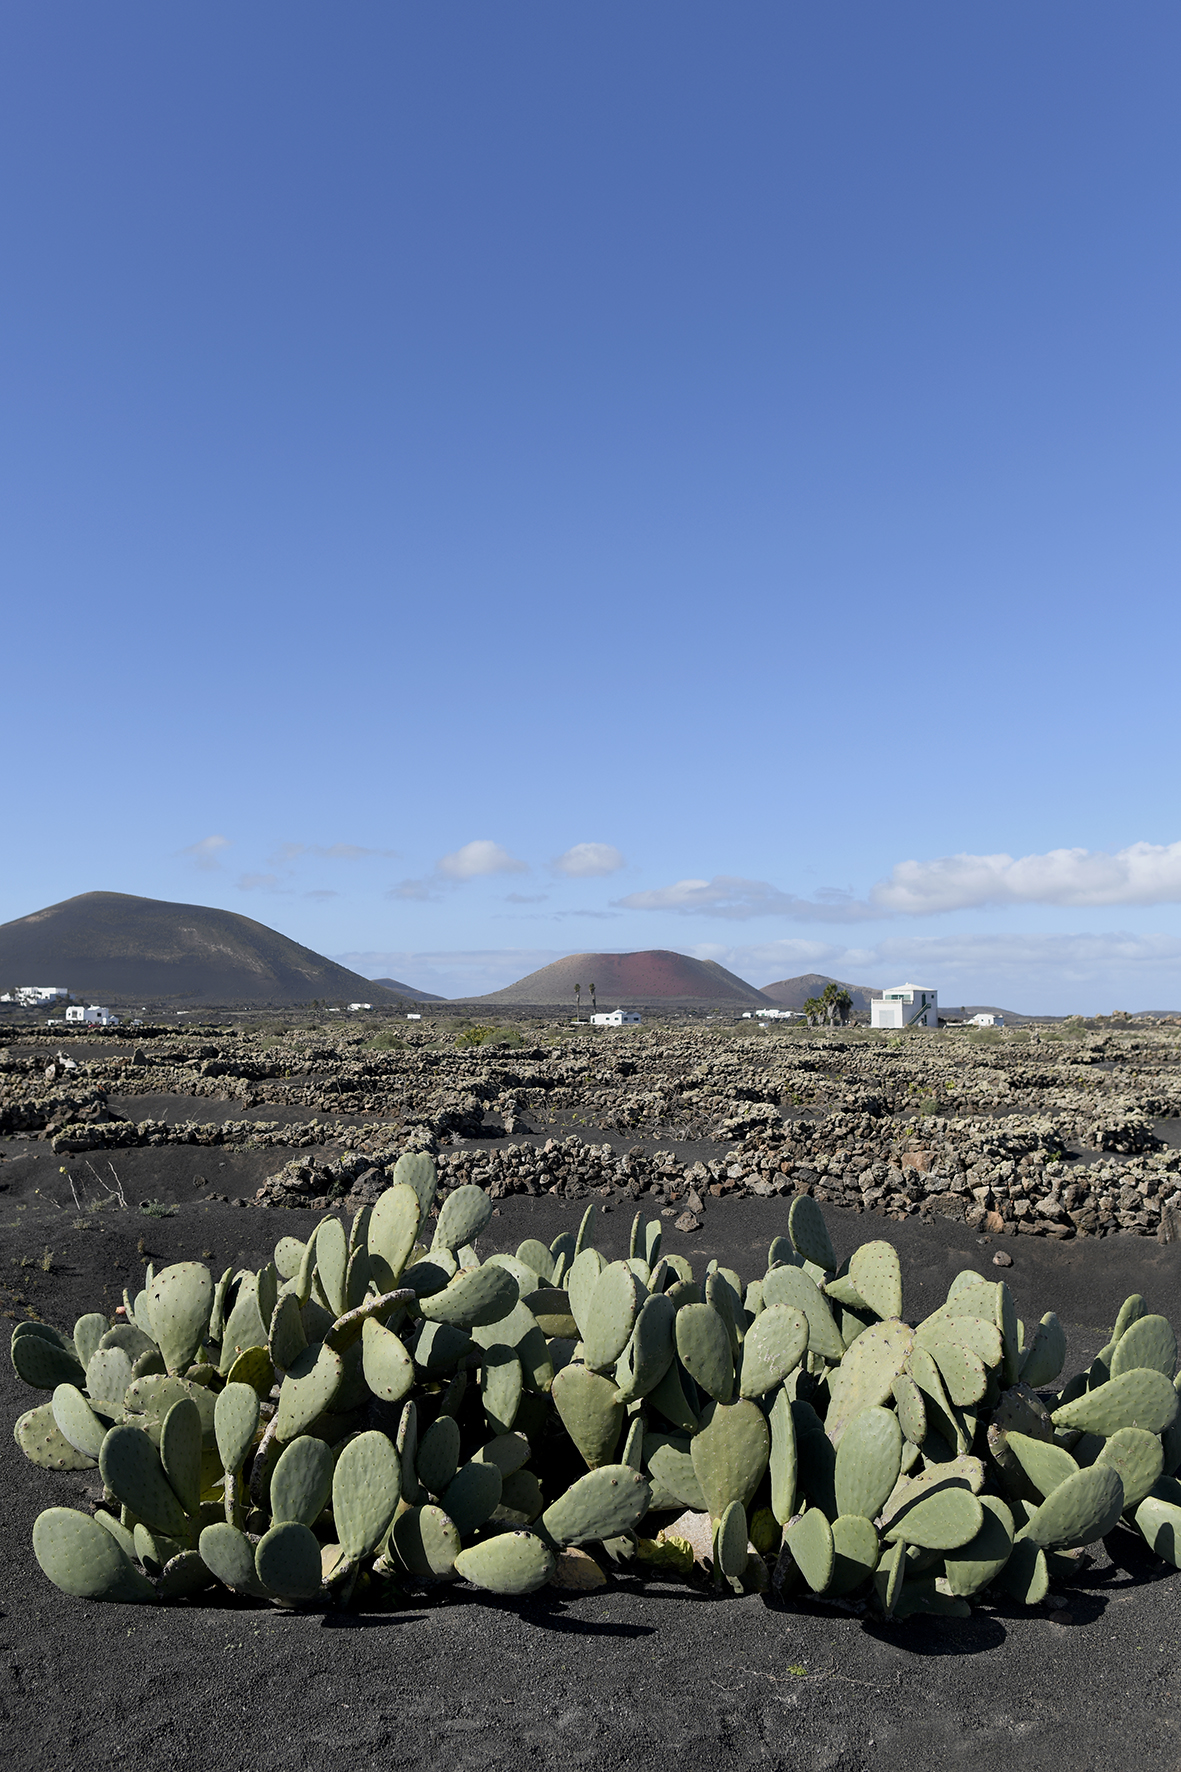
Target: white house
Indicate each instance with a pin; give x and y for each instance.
(30, 996)
(770, 1014)
(905, 1006)
(355, 1006)
(616, 1018)
(986, 1020)
(94, 1013)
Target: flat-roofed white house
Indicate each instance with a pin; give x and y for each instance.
(30, 995)
(986, 1020)
(615, 1018)
(905, 1006)
(94, 1013)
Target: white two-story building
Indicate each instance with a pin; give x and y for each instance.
(905, 1006)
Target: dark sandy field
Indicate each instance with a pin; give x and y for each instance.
(656, 1674)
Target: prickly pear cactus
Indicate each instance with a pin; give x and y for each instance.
(368, 1416)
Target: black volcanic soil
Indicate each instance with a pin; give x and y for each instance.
(660, 1675)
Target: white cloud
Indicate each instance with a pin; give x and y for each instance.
(729, 896)
(477, 859)
(525, 897)
(206, 854)
(1144, 873)
(417, 891)
(1051, 974)
(586, 861)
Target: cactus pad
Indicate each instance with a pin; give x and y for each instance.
(867, 1464)
(809, 1233)
(855, 1553)
(77, 1422)
(939, 1519)
(425, 1541)
(511, 1563)
(1080, 1510)
(603, 1504)
(472, 1496)
(476, 1295)
(875, 1272)
(865, 1377)
(366, 1489)
(301, 1481)
(772, 1347)
(462, 1217)
(1142, 1397)
(43, 1443)
(1149, 1341)
(132, 1471)
(1041, 1361)
(387, 1367)
(610, 1315)
(83, 1560)
(179, 1302)
(287, 1562)
(809, 1539)
(730, 1454)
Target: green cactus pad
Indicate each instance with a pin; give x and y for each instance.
(132, 1471)
(868, 1460)
(888, 1580)
(650, 1351)
(88, 1332)
(287, 1338)
(979, 1562)
(535, 1255)
(772, 1347)
(580, 1281)
(388, 1368)
(816, 1459)
(43, 1443)
(512, 1563)
(332, 1259)
(130, 1338)
(703, 1347)
(108, 1379)
(416, 1169)
(855, 1553)
(440, 1347)
(1148, 1342)
(962, 1370)
(1041, 1361)
(782, 1459)
(77, 1422)
(865, 1377)
(730, 1540)
(425, 1542)
(550, 1306)
(244, 1325)
(669, 1463)
(809, 1539)
(875, 1272)
(235, 1418)
(501, 1386)
(253, 1367)
(1025, 1576)
(180, 1300)
(671, 1399)
(45, 1363)
(229, 1556)
(941, 1519)
(476, 1295)
(287, 1562)
(980, 1334)
(462, 1216)
(1045, 1463)
(1142, 1397)
(392, 1232)
(791, 1286)
(912, 1410)
(81, 1559)
(1080, 1510)
(472, 1496)
(149, 1399)
(592, 1412)
(309, 1388)
(1138, 1457)
(521, 1500)
(437, 1459)
(180, 1454)
(288, 1257)
(508, 1452)
(603, 1504)
(730, 1454)
(366, 1489)
(1159, 1519)
(610, 1316)
(1130, 1311)
(301, 1481)
(809, 1233)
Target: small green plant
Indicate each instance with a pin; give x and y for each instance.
(157, 1209)
(385, 1042)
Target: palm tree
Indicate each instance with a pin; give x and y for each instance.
(577, 996)
(592, 992)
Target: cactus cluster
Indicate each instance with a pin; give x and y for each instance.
(369, 1411)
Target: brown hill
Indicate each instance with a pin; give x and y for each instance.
(655, 976)
(111, 946)
(793, 993)
(407, 990)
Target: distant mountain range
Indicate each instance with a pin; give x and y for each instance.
(653, 976)
(112, 947)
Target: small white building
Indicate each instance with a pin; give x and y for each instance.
(770, 1015)
(616, 1018)
(94, 1014)
(905, 1006)
(356, 1006)
(413, 1017)
(31, 996)
(986, 1020)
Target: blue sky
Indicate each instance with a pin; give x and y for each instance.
(481, 483)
